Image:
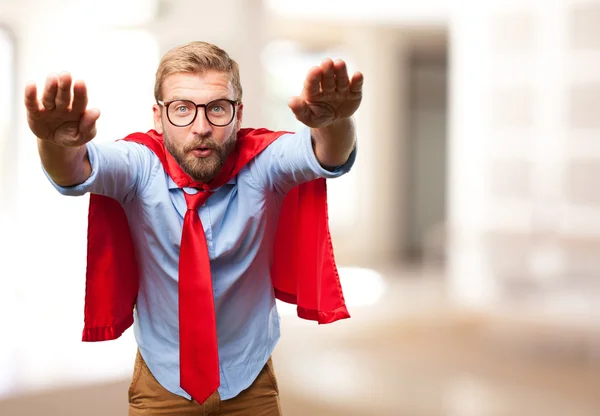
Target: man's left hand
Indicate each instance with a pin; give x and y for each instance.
(328, 95)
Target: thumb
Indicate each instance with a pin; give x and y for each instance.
(300, 108)
(87, 124)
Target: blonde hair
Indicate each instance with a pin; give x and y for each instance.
(197, 57)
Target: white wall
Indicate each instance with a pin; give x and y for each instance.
(524, 206)
(427, 155)
(44, 249)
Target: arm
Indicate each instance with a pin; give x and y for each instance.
(334, 143)
(290, 161)
(63, 126)
(327, 105)
(326, 148)
(67, 166)
(74, 165)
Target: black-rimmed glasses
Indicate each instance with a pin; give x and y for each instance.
(182, 113)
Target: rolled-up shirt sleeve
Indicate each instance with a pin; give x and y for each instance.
(290, 160)
(119, 169)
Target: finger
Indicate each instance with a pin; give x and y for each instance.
(300, 108)
(87, 125)
(49, 95)
(31, 101)
(80, 97)
(342, 83)
(328, 79)
(312, 83)
(63, 95)
(356, 83)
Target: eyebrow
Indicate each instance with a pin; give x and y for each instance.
(176, 97)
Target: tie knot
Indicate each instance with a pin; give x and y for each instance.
(194, 201)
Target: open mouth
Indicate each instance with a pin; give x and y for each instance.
(202, 151)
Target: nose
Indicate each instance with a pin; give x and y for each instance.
(201, 126)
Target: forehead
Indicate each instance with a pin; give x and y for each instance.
(197, 86)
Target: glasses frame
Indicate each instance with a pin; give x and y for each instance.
(234, 103)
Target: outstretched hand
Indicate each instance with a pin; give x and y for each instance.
(61, 117)
(328, 95)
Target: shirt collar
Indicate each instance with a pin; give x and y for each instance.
(173, 185)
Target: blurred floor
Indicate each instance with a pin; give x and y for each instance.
(409, 354)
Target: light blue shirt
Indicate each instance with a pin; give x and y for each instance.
(239, 219)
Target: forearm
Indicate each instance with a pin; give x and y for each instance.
(334, 143)
(67, 166)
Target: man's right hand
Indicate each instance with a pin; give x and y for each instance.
(61, 117)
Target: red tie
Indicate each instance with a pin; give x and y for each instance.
(198, 351)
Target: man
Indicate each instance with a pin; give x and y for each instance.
(197, 188)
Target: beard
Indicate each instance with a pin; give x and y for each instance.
(201, 169)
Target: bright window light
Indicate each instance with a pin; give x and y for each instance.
(362, 287)
(286, 65)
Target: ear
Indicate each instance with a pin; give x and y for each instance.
(158, 126)
(239, 115)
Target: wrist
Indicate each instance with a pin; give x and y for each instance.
(334, 143)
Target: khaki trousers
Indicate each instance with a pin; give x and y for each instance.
(148, 397)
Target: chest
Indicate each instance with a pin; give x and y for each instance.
(235, 219)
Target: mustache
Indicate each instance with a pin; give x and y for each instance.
(203, 142)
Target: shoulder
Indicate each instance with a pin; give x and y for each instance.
(256, 140)
(129, 150)
(136, 156)
(151, 141)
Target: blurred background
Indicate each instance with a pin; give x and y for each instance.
(468, 233)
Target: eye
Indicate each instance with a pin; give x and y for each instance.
(216, 108)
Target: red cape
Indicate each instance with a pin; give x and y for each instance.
(303, 270)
